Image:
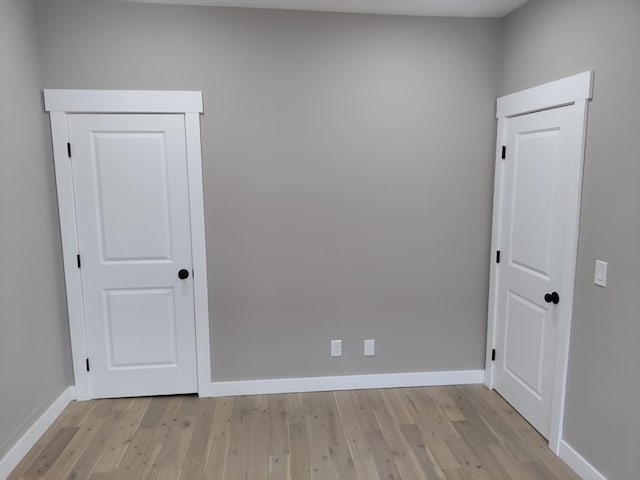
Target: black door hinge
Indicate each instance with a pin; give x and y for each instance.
(87, 362)
(69, 149)
(504, 152)
(498, 256)
(78, 261)
(493, 355)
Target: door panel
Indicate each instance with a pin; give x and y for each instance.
(524, 342)
(140, 327)
(535, 203)
(534, 174)
(132, 166)
(130, 181)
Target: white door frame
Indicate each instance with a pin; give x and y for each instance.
(60, 103)
(575, 92)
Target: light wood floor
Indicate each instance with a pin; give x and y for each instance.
(446, 433)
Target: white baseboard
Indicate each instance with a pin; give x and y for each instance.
(343, 382)
(31, 436)
(578, 463)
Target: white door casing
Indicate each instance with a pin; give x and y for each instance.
(132, 206)
(535, 228)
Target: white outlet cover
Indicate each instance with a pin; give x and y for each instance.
(369, 347)
(600, 275)
(336, 348)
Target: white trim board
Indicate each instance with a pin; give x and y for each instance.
(198, 248)
(343, 382)
(122, 101)
(574, 91)
(553, 94)
(60, 103)
(31, 436)
(577, 462)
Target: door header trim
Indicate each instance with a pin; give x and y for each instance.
(122, 101)
(549, 95)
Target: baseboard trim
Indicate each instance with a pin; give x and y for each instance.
(343, 382)
(31, 436)
(578, 463)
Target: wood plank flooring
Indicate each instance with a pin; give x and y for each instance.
(435, 433)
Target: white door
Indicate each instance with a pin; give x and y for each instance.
(536, 181)
(134, 236)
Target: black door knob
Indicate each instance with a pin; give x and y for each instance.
(552, 297)
(183, 273)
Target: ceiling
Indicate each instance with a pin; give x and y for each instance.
(434, 8)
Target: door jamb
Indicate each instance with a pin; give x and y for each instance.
(574, 91)
(59, 104)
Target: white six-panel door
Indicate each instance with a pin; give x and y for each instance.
(134, 235)
(537, 169)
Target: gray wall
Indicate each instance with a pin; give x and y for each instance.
(35, 362)
(348, 167)
(348, 175)
(546, 40)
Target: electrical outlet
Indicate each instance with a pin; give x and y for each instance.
(369, 347)
(336, 348)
